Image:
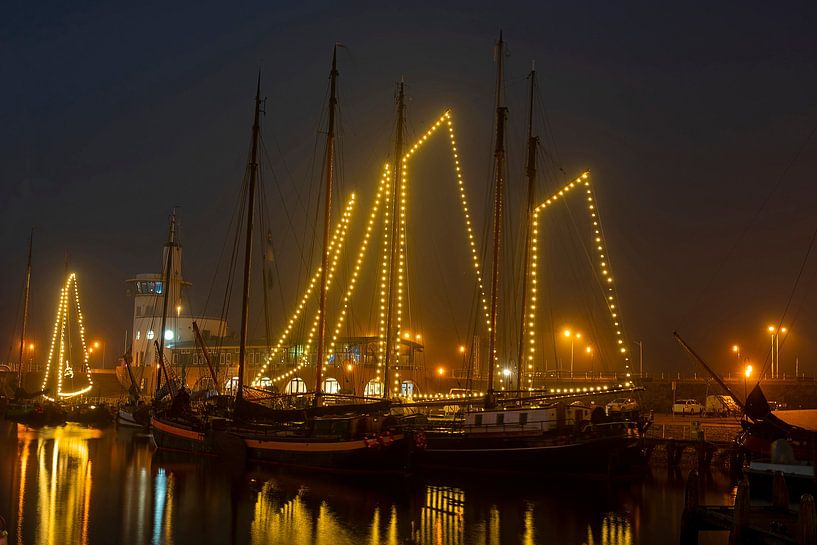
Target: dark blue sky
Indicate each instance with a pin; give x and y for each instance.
(688, 114)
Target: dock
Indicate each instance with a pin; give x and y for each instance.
(777, 523)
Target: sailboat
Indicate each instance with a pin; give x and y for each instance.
(339, 439)
(533, 435)
(25, 407)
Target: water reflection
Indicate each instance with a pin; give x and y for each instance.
(76, 485)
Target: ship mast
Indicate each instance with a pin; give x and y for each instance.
(499, 182)
(327, 217)
(242, 346)
(26, 295)
(531, 174)
(393, 257)
(171, 243)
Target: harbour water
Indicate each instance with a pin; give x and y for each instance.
(78, 485)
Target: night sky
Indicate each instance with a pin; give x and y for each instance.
(697, 120)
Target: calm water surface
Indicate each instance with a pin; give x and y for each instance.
(74, 485)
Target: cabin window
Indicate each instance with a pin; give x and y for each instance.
(478, 420)
(523, 419)
(500, 420)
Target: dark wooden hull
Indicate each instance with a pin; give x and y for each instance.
(383, 455)
(389, 455)
(527, 456)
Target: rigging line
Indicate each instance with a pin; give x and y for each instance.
(237, 203)
(575, 267)
(791, 296)
(290, 222)
(544, 119)
(17, 319)
(753, 221)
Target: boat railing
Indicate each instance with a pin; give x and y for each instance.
(583, 427)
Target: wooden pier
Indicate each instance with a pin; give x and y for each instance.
(771, 524)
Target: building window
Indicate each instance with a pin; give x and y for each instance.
(138, 335)
(373, 389)
(331, 386)
(296, 386)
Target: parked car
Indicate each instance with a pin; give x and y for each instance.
(721, 405)
(622, 405)
(687, 406)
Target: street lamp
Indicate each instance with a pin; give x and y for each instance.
(96, 345)
(572, 335)
(775, 333)
(507, 373)
(746, 374)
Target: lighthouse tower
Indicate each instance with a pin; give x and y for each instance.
(149, 291)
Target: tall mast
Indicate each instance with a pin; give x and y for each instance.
(25, 312)
(171, 243)
(327, 218)
(499, 182)
(398, 175)
(242, 343)
(531, 174)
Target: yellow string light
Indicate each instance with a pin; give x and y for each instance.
(335, 245)
(604, 268)
(58, 342)
(358, 263)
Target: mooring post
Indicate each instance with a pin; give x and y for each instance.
(735, 463)
(700, 450)
(780, 491)
(689, 518)
(741, 512)
(807, 521)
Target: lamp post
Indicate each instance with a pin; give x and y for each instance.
(30, 347)
(95, 348)
(507, 373)
(775, 333)
(746, 374)
(571, 335)
(440, 373)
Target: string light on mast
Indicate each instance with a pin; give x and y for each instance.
(59, 343)
(335, 247)
(604, 269)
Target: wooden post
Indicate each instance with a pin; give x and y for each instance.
(780, 492)
(692, 498)
(807, 521)
(741, 512)
(700, 451)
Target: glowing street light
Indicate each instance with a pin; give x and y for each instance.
(572, 335)
(746, 374)
(775, 333)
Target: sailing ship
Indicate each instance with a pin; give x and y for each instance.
(534, 435)
(28, 407)
(346, 439)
